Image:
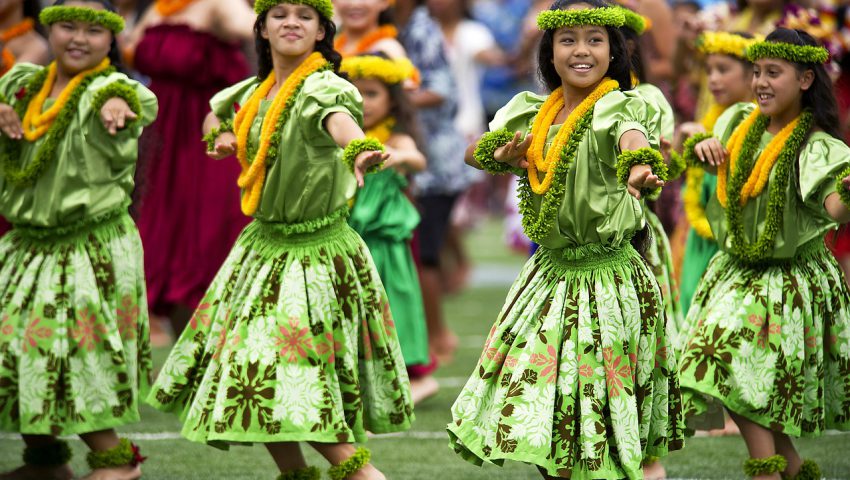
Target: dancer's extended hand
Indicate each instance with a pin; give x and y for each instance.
(640, 177)
(366, 160)
(116, 114)
(10, 122)
(225, 146)
(711, 151)
(513, 153)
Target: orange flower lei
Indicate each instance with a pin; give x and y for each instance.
(543, 121)
(36, 123)
(167, 8)
(7, 58)
(254, 173)
(383, 130)
(381, 33)
(761, 170)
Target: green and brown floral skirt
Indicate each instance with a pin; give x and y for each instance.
(74, 351)
(660, 259)
(577, 375)
(293, 341)
(771, 343)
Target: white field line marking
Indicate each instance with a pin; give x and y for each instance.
(161, 436)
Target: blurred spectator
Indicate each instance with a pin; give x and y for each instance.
(686, 69)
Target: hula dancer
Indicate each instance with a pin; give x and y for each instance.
(383, 215)
(74, 353)
(575, 377)
(367, 27)
(729, 75)
(770, 337)
(294, 340)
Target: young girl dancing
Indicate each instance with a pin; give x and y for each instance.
(367, 27)
(771, 318)
(575, 377)
(382, 214)
(74, 353)
(729, 75)
(294, 340)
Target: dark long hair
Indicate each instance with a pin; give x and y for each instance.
(264, 48)
(819, 98)
(114, 53)
(619, 69)
(636, 57)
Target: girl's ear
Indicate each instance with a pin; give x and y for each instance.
(320, 34)
(264, 32)
(807, 78)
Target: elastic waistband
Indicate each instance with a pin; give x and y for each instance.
(69, 231)
(590, 256)
(805, 252)
(303, 231)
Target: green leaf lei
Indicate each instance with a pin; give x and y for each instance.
(538, 226)
(352, 465)
(61, 13)
(787, 51)
(10, 150)
(641, 156)
(677, 165)
(119, 90)
(841, 190)
(688, 153)
(761, 248)
(764, 466)
(209, 138)
(306, 473)
(603, 16)
(486, 148)
(358, 146)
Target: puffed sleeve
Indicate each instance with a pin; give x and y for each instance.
(658, 108)
(618, 112)
(518, 115)
(227, 102)
(16, 79)
(325, 93)
(821, 160)
(730, 119)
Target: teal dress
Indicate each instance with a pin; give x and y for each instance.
(385, 219)
(770, 341)
(294, 339)
(74, 351)
(698, 250)
(575, 375)
(659, 255)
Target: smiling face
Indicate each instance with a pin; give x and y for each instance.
(729, 80)
(376, 100)
(292, 30)
(79, 46)
(360, 15)
(779, 86)
(581, 55)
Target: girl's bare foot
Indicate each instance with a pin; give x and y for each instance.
(423, 388)
(126, 472)
(654, 471)
(32, 472)
(368, 472)
(444, 344)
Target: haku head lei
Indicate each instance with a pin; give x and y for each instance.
(725, 43)
(603, 17)
(391, 71)
(635, 21)
(787, 51)
(324, 7)
(64, 13)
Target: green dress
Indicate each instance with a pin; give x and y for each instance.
(575, 376)
(384, 217)
(294, 340)
(659, 255)
(74, 351)
(698, 250)
(771, 341)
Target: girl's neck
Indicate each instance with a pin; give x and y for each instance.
(283, 66)
(355, 36)
(14, 16)
(573, 96)
(782, 119)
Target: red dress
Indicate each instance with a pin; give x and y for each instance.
(189, 214)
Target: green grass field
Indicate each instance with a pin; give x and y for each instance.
(422, 453)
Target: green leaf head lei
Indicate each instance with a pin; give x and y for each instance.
(634, 21)
(324, 7)
(787, 51)
(602, 16)
(65, 13)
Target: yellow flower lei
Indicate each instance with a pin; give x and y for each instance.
(35, 123)
(694, 210)
(543, 121)
(757, 180)
(383, 130)
(254, 173)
